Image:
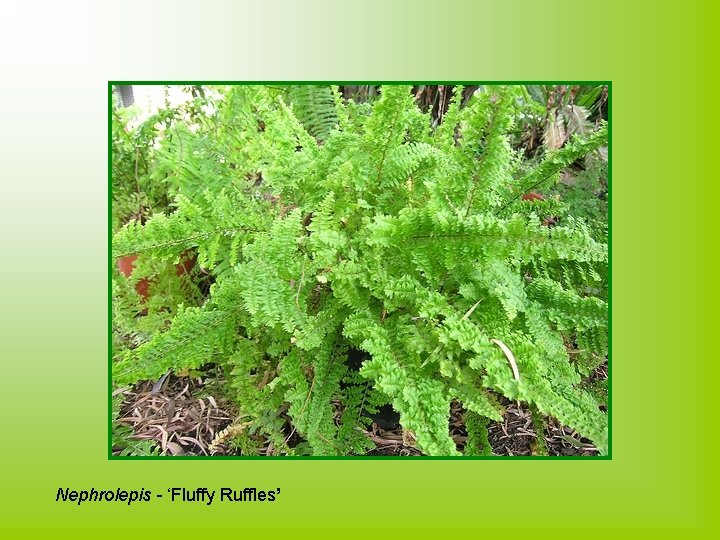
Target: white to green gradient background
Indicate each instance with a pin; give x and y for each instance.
(56, 59)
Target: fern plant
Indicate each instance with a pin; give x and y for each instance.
(362, 227)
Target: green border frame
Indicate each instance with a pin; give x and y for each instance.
(111, 457)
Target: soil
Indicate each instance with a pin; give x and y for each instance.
(183, 418)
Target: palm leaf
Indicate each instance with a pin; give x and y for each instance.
(576, 118)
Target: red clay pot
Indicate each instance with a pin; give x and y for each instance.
(126, 265)
(187, 261)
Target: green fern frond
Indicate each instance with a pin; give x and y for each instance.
(315, 107)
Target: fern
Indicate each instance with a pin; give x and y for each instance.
(477, 443)
(345, 225)
(314, 106)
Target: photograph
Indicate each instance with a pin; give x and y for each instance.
(387, 270)
(309, 270)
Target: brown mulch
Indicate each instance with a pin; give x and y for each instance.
(516, 436)
(391, 442)
(171, 414)
(563, 441)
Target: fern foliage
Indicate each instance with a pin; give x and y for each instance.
(328, 225)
